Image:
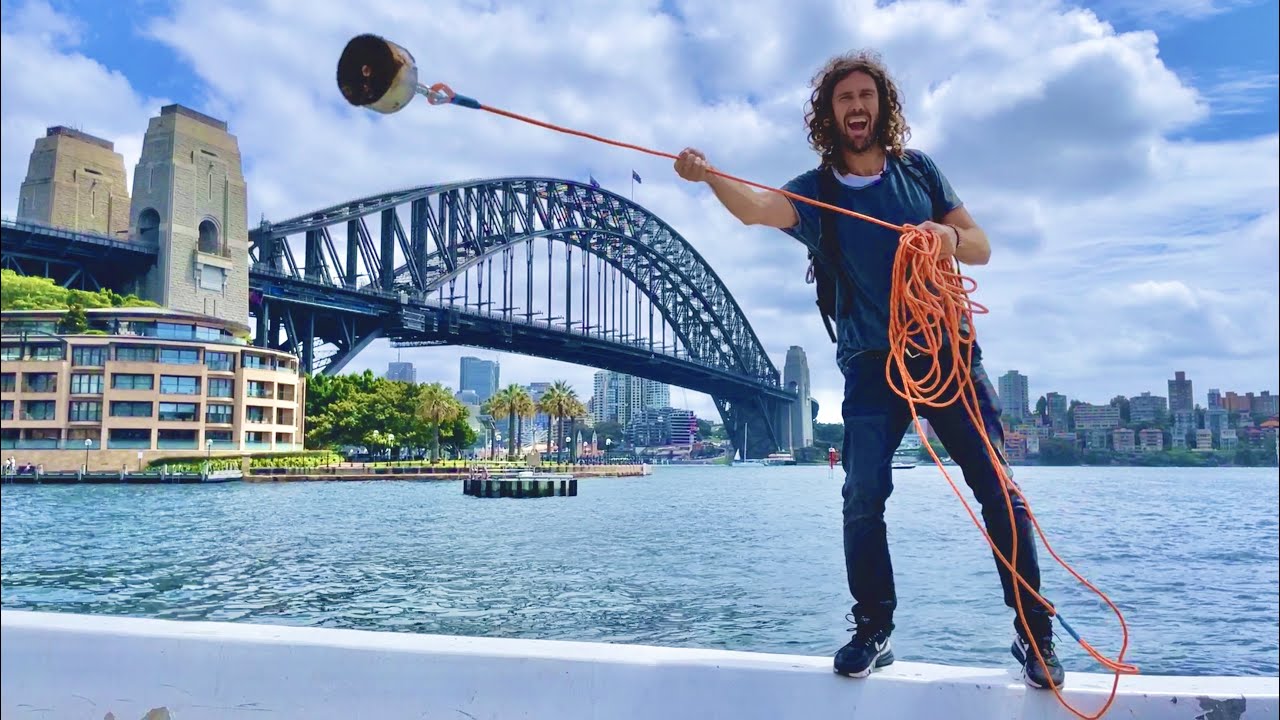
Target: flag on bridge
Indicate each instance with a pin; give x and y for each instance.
(636, 176)
(594, 184)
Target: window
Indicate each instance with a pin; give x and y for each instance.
(129, 438)
(253, 361)
(218, 436)
(221, 387)
(179, 412)
(179, 356)
(40, 382)
(6, 409)
(219, 361)
(255, 414)
(218, 414)
(85, 411)
(258, 390)
(174, 331)
(11, 352)
(212, 334)
(124, 381)
(86, 384)
(39, 410)
(126, 408)
(8, 382)
(179, 385)
(92, 355)
(208, 242)
(136, 353)
(45, 352)
(149, 223)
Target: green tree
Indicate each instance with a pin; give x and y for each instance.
(1042, 407)
(828, 434)
(75, 322)
(29, 292)
(1122, 403)
(1056, 451)
(437, 406)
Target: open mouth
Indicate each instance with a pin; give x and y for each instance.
(857, 124)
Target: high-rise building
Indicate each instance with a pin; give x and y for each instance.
(480, 376)
(617, 397)
(1146, 408)
(1180, 397)
(795, 376)
(402, 372)
(1013, 395)
(1215, 399)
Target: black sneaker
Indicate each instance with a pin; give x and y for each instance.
(1033, 672)
(867, 651)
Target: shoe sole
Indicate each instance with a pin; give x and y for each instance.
(883, 658)
(1021, 657)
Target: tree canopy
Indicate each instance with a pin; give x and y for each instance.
(29, 292)
(363, 409)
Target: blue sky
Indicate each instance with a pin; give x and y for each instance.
(1123, 161)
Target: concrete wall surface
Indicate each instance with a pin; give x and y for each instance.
(75, 666)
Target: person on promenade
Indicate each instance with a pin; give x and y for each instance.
(857, 127)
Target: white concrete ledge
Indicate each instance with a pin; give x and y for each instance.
(56, 665)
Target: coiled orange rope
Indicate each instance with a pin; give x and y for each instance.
(929, 299)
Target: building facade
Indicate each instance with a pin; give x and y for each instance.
(479, 376)
(1013, 392)
(142, 383)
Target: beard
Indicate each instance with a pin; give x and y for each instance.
(858, 145)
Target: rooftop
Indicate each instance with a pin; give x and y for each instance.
(176, 109)
(79, 135)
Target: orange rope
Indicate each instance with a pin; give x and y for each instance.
(929, 298)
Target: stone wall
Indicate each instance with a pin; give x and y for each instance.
(100, 460)
(189, 174)
(75, 181)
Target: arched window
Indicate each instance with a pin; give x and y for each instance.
(149, 226)
(209, 238)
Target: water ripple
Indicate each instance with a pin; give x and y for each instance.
(737, 558)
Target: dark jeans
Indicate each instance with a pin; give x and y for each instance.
(875, 419)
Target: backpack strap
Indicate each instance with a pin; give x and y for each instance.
(829, 247)
(913, 161)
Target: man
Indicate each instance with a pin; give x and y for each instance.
(857, 128)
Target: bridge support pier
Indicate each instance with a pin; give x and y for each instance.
(755, 425)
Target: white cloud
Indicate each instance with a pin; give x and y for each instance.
(1053, 127)
(45, 81)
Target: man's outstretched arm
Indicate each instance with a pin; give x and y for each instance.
(751, 206)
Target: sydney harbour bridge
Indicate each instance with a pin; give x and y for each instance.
(538, 266)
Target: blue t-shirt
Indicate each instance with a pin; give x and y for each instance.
(867, 249)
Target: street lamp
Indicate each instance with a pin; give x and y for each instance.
(88, 442)
(208, 453)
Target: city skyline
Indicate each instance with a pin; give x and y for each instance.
(1091, 285)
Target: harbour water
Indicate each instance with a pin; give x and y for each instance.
(736, 558)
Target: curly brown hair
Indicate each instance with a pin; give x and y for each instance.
(892, 129)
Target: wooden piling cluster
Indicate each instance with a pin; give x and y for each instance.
(519, 487)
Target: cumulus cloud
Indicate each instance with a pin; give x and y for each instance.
(46, 81)
(1120, 254)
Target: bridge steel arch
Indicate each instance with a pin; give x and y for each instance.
(424, 282)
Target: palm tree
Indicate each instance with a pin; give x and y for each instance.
(574, 410)
(437, 405)
(514, 402)
(560, 401)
